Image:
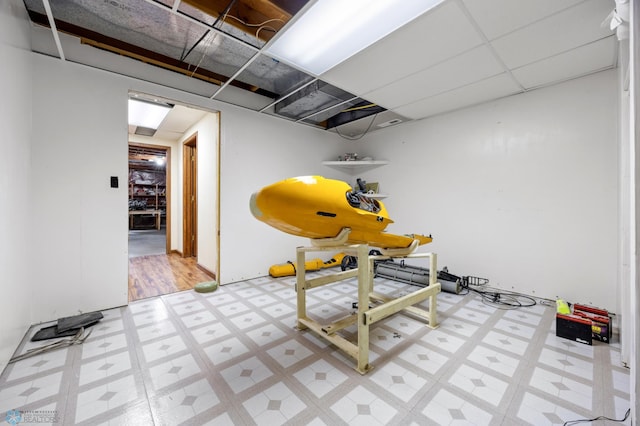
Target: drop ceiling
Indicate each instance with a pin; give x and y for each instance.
(461, 53)
(174, 126)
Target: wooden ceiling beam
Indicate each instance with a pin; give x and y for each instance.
(260, 18)
(145, 157)
(113, 45)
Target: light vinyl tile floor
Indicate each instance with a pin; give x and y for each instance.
(234, 357)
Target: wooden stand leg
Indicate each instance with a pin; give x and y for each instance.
(433, 278)
(364, 283)
(301, 289)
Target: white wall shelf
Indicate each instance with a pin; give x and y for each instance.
(354, 164)
(356, 167)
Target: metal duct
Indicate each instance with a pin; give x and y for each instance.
(312, 98)
(413, 275)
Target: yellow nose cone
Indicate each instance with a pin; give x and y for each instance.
(253, 205)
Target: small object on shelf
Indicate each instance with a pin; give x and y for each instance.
(372, 187)
(136, 204)
(351, 156)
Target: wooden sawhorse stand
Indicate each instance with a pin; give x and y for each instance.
(365, 316)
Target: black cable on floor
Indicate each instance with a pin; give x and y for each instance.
(573, 422)
(498, 299)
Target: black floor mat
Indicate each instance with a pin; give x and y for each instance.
(77, 321)
(51, 332)
(67, 326)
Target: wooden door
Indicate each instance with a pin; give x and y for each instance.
(190, 199)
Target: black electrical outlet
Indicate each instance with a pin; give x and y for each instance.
(114, 181)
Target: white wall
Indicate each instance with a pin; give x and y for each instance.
(80, 140)
(15, 145)
(522, 190)
(626, 223)
(208, 129)
(255, 154)
(80, 227)
(634, 284)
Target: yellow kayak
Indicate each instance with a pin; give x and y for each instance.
(320, 208)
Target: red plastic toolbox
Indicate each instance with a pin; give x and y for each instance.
(601, 328)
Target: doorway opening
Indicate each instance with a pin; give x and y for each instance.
(184, 216)
(149, 189)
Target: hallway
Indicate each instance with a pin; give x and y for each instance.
(160, 274)
(145, 242)
(154, 273)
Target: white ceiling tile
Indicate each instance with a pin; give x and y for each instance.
(498, 17)
(236, 96)
(574, 63)
(437, 35)
(482, 91)
(180, 118)
(566, 30)
(469, 67)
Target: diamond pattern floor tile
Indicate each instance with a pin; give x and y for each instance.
(401, 382)
(274, 406)
(235, 357)
(98, 400)
(360, 406)
(562, 387)
(320, 377)
(446, 408)
(479, 384)
(245, 374)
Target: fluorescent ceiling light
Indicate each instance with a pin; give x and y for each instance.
(147, 114)
(331, 31)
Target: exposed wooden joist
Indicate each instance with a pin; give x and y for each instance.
(260, 18)
(158, 60)
(101, 41)
(145, 157)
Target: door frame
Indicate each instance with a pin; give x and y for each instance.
(190, 196)
(167, 171)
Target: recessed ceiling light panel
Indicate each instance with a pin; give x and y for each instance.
(147, 114)
(331, 31)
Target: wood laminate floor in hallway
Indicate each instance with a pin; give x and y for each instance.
(160, 274)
